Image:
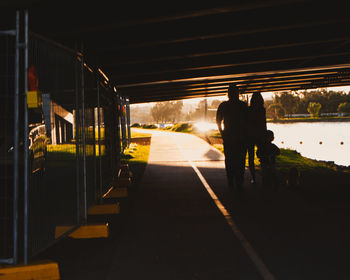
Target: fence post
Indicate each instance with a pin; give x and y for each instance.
(93, 111)
(127, 104)
(16, 146)
(99, 138)
(84, 137)
(77, 135)
(123, 122)
(26, 142)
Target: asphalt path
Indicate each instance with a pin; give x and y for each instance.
(185, 224)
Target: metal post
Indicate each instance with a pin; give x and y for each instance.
(77, 137)
(127, 104)
(84, 140)
(26, 142)
(122, 123)
(94, 149)
(99, 138)
(15, 147)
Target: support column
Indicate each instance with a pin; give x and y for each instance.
(127, 104)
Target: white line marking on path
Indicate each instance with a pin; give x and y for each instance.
(265, 273)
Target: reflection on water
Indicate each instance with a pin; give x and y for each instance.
(328, 141)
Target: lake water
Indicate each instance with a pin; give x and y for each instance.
(306, 137)
(328, 141)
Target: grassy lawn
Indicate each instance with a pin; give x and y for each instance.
(136, 154)
(289, 158)
(135, 134)
(69, 150)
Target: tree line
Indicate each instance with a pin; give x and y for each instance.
(282, 104)
(308, 102)
(172, 111)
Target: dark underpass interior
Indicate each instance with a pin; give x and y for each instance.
(179, 220)
(161, 51)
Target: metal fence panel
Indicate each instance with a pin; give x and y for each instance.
(77, 164)
(7, 82)
(53, 136)
(68, 122)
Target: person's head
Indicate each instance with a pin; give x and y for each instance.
(257, 100)
(233, 92)
(269, 136)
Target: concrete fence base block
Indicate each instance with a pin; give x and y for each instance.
(116, 193)
(33, 271)
(60, 230)
(104, 209)
(91, 231)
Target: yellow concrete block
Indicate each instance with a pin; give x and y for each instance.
(116, 193)
(91, 231)
(34, 271)
(60, 230)
(34, 99)
(104, 209)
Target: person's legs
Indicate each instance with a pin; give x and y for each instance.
(239, 165)
(228, 151)
(251, 155)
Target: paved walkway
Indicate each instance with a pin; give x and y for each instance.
(184, 224)
(176, 231)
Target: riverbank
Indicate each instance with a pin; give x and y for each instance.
(320, 119)
(323, 184)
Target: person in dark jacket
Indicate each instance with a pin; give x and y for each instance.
(256, 129)
(267, 153)
(231, 119)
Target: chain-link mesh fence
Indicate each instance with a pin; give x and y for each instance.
(65, 170)
(73, 150)
(53, 160)
(7, 82)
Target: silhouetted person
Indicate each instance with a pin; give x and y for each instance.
(231, 119)
(256, 129)
(267, 153)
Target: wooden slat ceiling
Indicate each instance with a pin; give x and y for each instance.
(155, 52)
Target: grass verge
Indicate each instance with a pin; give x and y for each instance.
(322, 183)
(136, 156)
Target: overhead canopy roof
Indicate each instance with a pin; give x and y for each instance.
(154, 52)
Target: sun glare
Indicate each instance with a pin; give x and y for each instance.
(205, 126)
